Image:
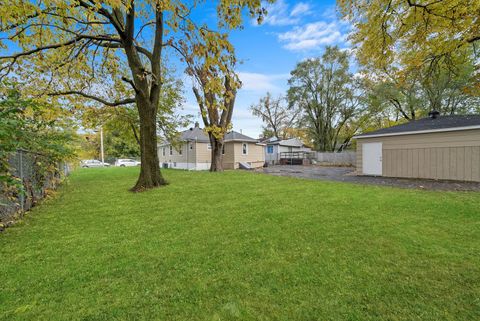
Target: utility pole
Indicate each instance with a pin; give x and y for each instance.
(101, 146)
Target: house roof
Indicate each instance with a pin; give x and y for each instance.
(236, 136)
(428, 125)
(197, 134)
(292, 142)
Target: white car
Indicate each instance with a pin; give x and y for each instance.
(126, 162)
(93, 163)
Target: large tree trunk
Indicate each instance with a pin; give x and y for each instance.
(150, 175)
(217, 155)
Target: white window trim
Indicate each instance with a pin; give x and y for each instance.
(171, 150)
(209, 146)
(246, 148)
(180, 150)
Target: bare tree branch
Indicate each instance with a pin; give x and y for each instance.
(125, 101)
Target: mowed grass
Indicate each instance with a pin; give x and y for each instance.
(242, 246)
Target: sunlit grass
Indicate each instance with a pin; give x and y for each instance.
(242, 246)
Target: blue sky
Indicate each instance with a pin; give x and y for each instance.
(293, 31)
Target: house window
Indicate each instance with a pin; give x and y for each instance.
(180, 150)
(171, 150)
(191, 145)
(244, 149)
(209, 146)
(270, 149)
(163, 151)
(223, 149)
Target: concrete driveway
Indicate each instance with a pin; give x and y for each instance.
(347, 174)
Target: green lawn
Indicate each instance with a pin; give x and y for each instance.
(242, 246)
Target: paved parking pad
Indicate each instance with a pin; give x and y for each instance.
(347, 174)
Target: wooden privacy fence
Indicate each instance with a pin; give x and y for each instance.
(344, 158)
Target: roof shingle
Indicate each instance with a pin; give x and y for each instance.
(197, 134)
(427, 124)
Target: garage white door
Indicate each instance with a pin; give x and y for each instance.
(372, 158)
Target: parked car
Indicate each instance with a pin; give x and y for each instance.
(93, 163)
(126, 162)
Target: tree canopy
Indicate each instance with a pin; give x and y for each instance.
(414, 31)
(324, 89)
(415, 56)
(110, 52)
(44, 130)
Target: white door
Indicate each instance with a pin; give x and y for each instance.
(372, 158)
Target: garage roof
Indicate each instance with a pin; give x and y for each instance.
(428, 125)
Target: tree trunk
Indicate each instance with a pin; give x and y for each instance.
(150, 175)
(217, 155)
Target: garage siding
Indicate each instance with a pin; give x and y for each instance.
(447, 155)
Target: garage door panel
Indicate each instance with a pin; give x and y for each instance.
(460, 155)
(390, 165)
(476, 163)
(404, 162)
(427, 165)
(421, 162)
(468, 163)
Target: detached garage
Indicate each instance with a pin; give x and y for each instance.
(437, 147)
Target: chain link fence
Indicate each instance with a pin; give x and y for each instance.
(36, 174)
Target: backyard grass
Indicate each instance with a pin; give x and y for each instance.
(241, 246)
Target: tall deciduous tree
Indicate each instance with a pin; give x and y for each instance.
(211, 63)
(216, 110)
(277, 116)
(108, 51)
(323, 89)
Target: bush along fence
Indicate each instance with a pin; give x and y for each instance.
(31, 175)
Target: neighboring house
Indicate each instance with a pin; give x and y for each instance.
(194, 151)
(275, 147)
(436, 147)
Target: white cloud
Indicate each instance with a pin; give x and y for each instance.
(312, 35)
(190, 107)
(300, 8)
(280, 14)
(261, 82)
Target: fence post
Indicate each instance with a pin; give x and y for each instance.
(22, 192)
